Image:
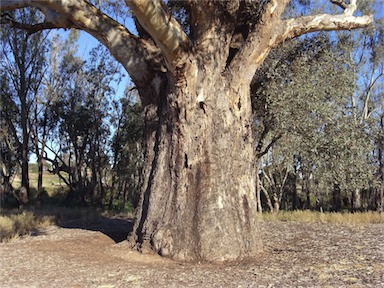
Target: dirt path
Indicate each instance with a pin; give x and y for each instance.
(296, 254)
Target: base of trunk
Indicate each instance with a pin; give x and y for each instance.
(198, 201)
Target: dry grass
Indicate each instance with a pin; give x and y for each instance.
(14, 223)
(327, 217)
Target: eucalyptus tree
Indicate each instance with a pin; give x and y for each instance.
(23, 64)
(366, 105)
(197, 199)
(43, 120)
(127, 150)
(9, 152)
(81, 112)
(300, 90)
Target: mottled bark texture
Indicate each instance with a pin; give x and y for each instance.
(198, 200)
(198, 193)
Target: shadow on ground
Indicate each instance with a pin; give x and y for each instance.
(115, 228)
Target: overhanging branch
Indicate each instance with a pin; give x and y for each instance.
(8, 5)
(269, 146)
(141, 58)
(326, 22)
(31, 29)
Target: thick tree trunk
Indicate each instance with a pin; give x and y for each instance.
(198, 195)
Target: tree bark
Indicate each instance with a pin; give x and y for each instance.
(198, 198)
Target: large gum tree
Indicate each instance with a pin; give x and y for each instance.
(198, 189)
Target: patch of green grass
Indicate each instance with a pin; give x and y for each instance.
(326, 217)
(51, 183)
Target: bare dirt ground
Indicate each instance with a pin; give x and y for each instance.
(296, 255)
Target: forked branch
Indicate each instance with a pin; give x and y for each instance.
(349, 9)
(168, 34)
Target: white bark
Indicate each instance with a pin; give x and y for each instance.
(323, 22)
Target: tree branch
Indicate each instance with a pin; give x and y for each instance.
(8, 5)
(323, 22)
(260, 41)
(163, 28)
(31, 29)
(269, 146)
(349, 9)
(340, 3)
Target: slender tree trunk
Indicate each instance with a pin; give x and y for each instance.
(199, 169)
(40, 161)
(269, 202)
(24, 191)
(258, 188)
(276, 202)
(307, 189)
(381, 163)
(336, 198)
(294, 190)
(356, 200)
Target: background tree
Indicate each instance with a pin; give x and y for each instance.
(197, 199)
(127, 153)
(326, 132)
(366, 56)
(80, 114)
(9, 157)
(24, 64)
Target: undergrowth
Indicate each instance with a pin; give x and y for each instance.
(326, 217)
(14, 223)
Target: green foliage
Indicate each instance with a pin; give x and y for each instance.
(127, 150)
(303, 99)
(22, 68)
(81, 115)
